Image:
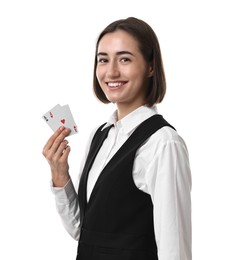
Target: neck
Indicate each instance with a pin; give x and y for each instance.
(123, 111)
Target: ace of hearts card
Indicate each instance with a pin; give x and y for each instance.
(60, 116)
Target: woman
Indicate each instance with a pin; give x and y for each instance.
(133, 197)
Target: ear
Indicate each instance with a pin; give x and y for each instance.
(151, 71)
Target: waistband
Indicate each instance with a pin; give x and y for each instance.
(118, 240)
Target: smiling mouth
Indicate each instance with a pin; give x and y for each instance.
(115, 85)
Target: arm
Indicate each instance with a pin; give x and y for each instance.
(171, 197)
(66, 200)
(56, 151)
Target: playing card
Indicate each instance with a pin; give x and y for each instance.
(67, 120)
(60, 115)
(51, 117)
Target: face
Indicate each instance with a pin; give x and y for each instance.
(122, 71)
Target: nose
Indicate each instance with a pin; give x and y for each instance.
(113, 70)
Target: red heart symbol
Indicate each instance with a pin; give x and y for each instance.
(62, 121)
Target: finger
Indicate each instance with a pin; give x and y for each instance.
(61, 149)
(52, 139)
(65, 154)
(58, 140)
(55, 140)
(61, 160)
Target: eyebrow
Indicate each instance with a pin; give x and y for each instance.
(117, 53)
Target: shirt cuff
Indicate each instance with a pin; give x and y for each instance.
(64, 194)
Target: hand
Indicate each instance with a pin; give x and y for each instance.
(56, 152)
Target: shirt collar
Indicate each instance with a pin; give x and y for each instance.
(132, 120)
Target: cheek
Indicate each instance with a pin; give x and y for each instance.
(99, 74)
(139, 77)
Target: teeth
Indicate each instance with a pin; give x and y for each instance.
(114, 84)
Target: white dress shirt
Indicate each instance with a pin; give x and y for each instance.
(161, 169)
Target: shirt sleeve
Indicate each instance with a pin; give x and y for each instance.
(168, 180)
(66, 200)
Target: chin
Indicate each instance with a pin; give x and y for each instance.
(112, 100)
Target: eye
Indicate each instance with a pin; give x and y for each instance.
(124, 60)
(102, 60)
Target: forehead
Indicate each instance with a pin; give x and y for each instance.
(117, 41)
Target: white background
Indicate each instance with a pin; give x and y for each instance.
(46, 57)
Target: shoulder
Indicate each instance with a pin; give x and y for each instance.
(167, 134)
(162, 138)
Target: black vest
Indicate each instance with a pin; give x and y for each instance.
(117, 221)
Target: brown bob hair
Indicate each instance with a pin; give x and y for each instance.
(150, 49)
